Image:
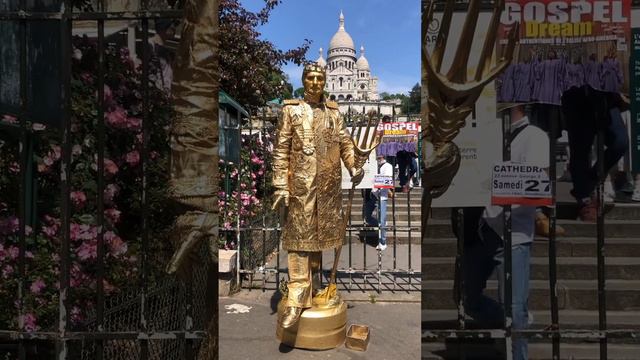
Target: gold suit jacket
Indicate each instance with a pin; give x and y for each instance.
(306, 161)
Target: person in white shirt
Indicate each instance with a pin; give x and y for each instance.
(375, 197)
(529, 145)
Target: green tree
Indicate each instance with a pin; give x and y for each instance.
(415, 98)
(299, 93)
(251, 68)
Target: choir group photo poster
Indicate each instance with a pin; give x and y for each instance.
(564, 44)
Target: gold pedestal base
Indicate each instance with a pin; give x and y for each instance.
(317, 329)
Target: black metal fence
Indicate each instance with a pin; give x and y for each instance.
(108, 295)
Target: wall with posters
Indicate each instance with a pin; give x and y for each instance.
(480, 140)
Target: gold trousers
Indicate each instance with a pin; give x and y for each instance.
(304, 276)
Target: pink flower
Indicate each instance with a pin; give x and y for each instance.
(37, 286)
(117, 118)
(7, 271)
(10, 119)
(112, 215)
(110, 192)
(76, 315)
(108, 95)
(14, 167)
(110, 168)
(38, 127)
(30, 322)
(78, 198)
(50, 231)
(87, 250)
(134, 123)
(9, 226)
(132, 158)
(117, 247)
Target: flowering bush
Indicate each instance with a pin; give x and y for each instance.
(245, 190)
(123, 105)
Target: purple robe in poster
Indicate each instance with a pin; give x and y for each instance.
(574, 76)
(549, 80)
(592, 71)
(522, 80)
(507, 88)
(611, 76)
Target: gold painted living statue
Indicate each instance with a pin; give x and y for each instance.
(311, 142)
(450, 97)
(194, 154)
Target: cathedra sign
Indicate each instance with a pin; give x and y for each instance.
(383, 182)
(516, 183)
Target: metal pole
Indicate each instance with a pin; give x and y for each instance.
(602, 293)
(508, 311)
(100, 187)
(146, 56)
(553, 295)
(239, 200)
(24, 161)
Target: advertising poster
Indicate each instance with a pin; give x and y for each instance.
(564, 44)
(479, 140)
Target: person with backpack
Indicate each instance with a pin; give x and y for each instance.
(375, 197)
(485, 255)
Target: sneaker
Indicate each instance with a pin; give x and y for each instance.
(543, 226)
(381, 247)
(588, 212)
(609, 193)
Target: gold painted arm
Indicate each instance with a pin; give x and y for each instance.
(282, 152)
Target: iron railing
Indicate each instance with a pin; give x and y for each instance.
(159, 318)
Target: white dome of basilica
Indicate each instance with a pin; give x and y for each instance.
(362, 63)
(341, 39)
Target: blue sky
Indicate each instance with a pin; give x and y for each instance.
(389, 31)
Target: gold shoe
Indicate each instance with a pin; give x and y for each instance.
(290, 316)
(543, 226)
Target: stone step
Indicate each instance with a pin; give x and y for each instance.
(572, 294)
(573, 228)
(565, 247)
(568, 268)
(448, 350)
(569, 319)
(569, 211)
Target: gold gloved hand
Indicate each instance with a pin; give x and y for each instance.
(357, 176)
(282, 198)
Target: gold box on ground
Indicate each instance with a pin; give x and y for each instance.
(357, 337)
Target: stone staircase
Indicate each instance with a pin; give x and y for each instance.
(407, 214)
(576, 286)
